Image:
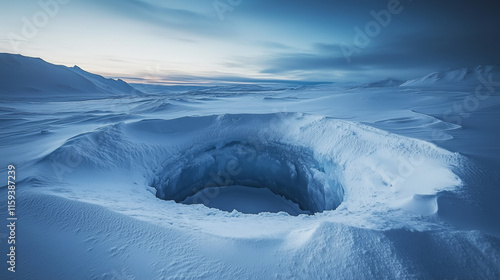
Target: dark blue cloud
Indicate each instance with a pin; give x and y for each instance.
(425, 36)
(418, 52)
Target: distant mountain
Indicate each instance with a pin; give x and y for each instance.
(109, 85)
(21, 75)
(237, 88)
(159, 89)
(389, 82)
(465, 75)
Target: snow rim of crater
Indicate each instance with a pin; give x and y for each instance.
(380, 214)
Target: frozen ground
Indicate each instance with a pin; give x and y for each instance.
(387, 180)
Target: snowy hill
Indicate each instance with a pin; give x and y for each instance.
(23, 76)
(466, 75)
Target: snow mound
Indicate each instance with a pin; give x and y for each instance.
(315, 162)
(457, 76)
(22, 76)
(389, 82)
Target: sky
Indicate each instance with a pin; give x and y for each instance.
(254, 41)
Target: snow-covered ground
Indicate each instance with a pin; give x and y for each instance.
(387, 180)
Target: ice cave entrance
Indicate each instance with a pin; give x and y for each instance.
(250, 178)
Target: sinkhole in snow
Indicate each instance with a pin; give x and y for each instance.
(250, 178)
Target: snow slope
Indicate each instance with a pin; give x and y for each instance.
(315, 162)
(350, 183)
